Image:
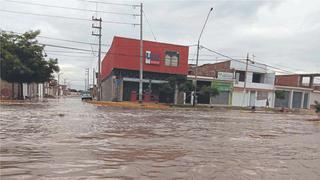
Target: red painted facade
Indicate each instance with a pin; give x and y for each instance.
(124, 53)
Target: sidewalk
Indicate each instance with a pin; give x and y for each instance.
(134, 105)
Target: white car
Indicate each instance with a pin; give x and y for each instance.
(86, 96)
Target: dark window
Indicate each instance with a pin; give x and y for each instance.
(172, 58)
(257, 78)
(241, 75)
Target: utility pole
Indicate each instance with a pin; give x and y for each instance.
(87, 73)
(59, 83)
(99, 27)
(195, 97)
(93, 88)
(245, 78)
(93, 74)
(141, 56)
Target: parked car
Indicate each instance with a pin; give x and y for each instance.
(86, 96)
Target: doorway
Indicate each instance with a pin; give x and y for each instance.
(252, 98)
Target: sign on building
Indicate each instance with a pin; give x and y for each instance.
(152, 58)
(225, 76)
(222, 86)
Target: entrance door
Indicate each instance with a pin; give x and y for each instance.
(252, 98)
(222, 98)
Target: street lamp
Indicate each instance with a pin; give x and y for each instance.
(195, 97)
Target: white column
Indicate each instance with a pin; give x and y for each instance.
(302, 100)
(192, 97)
(309, 99)
(290, 99)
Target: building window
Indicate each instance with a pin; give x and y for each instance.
(172, 58)
(240, 75)
(257, 78)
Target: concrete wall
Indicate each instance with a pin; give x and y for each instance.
(257, 86)
(31, 90)
(6, 89)
(256, 67)
(107, 89)
(243, 100)
(315, 96)
(240, 99)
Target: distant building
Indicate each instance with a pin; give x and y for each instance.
(258, 88)
(120, 69)
(298, 90)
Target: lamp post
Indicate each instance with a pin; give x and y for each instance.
(195, 97)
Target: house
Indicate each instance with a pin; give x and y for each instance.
(254, 88)
(121, 65)
(297, 90)
(207, 76)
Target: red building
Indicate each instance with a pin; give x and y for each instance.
(120, 68)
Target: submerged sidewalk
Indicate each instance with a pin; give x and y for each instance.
(126, 104)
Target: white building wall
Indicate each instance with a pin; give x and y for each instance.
(243, 100)
(263, 103)
(255, 85)
(240, 99)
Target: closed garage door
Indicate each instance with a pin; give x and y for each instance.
(296, 100)
(222, 98)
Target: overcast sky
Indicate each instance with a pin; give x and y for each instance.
(281, 33)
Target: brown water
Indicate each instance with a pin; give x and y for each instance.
(69, 139)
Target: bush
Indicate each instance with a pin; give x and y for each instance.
(317, 107)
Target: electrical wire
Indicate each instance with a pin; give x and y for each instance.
(241, 60)
(64, 17)
(59, 39)
(109, 3)
(154, 37)
(70, 8)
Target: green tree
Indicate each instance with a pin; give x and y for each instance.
(22, 59)
(317, 107)
(209, 90)
(181, 81)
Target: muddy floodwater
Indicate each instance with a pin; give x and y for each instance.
(70, 139)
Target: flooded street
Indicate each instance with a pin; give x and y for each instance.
(70, 139)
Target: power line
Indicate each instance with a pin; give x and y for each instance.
(66, 47)
(68, 55)
(282, 70)
(59, 39)
(70, 8)
(66, 40)
(68, 52)
(109, 3)
(63, 17)
(149, 25)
